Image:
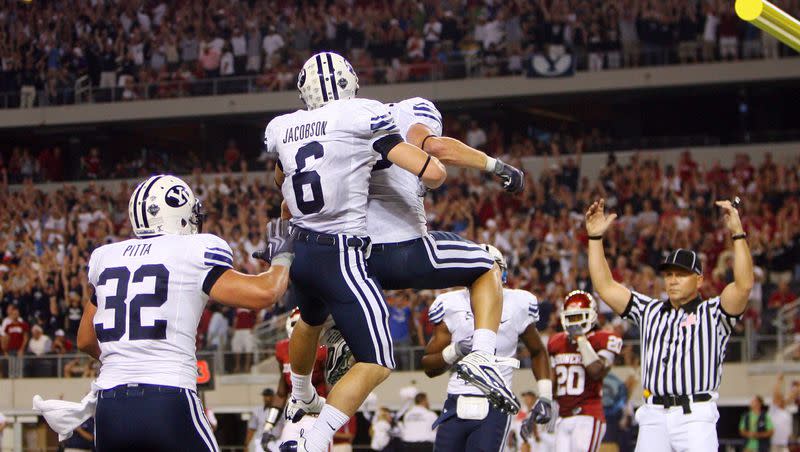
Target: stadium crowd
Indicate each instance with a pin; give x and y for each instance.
(46, 239)
(149, 49)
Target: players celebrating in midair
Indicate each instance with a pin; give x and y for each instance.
(582, 355)
(326, 154)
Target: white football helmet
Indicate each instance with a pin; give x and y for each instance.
(326, 77)
(499, 258)
(164, 204)
(291, 321)
(579, 309)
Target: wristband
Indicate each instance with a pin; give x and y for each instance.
(272, 416)
(449, 354)
(424, 167)
(283, 259)
(490, 164)
(422, 146)
(595, 237)
(545, 389)
(739, 236)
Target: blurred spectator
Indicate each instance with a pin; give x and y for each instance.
(39, 344)
(243, 342)
(61, 345)
(415, 427)
(781, 417)
(476, 136)
(16, 333)
(756, 426)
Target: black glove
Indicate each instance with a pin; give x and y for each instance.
(266, 438)
(513, 179)
(574, 331)
(279, 241)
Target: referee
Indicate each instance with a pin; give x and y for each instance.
(683, 337)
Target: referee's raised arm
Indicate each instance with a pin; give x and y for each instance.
(613, 293)
(735, 295)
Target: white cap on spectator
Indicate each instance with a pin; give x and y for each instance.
(60, 332)
(36, 328)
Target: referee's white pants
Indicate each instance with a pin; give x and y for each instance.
(669, 430)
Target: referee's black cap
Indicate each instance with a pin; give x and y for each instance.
(685, 259)
(267, 392)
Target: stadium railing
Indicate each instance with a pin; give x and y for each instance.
(787, 343)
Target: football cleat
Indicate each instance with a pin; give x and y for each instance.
(340, 358)
(481, 370)
(296, 408)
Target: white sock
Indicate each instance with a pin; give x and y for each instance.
(301, 387)
(484, 341)
(330, 420)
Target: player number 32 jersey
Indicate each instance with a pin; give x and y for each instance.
(150, 294)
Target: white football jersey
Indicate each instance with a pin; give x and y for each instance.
(396, 212)
(150, 295)
(327, 155)
(520, 309)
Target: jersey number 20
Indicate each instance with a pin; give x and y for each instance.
(571, 380)
(311, 178)
(132, 321)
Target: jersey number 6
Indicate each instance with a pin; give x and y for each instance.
(311, 178)
(116, 302)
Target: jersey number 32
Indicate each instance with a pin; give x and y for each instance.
(128, 316)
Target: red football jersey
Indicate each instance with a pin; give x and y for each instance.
(317, 377)
(575, 392)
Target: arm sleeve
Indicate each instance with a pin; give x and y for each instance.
(425, 113)
(723, 319)
(269, 138)
(377, 125)
(636, 307)
(531, 305)
(214, 258)
(436, 311)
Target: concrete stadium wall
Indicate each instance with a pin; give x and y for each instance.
(441, 91)
(740, 382)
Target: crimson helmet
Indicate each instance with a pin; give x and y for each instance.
(579, 309)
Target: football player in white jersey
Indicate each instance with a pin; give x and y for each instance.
(149, 294)
(468, 423)
(326, 153)
(406, 255)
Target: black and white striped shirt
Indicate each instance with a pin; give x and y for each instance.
(682, 349)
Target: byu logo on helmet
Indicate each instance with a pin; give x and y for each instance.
(164, 204)
(176, 196)
(326, 77)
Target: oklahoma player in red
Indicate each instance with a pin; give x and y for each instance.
(582, 355)
(285, 385)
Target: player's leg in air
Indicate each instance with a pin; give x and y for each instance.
(326, 153)
(405, 255)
